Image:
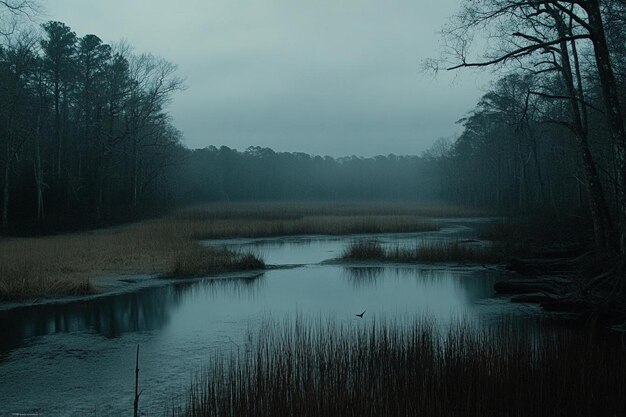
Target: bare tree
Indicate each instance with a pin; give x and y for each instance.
(542, 37)
(153, 81)
(13, 109)
(13, 11)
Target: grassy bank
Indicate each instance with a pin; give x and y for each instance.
(414, 370)
(426, 251)
(64, 264)
(276, 219)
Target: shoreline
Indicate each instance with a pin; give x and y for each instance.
(36, 267)
(124, 284)
(107, 284)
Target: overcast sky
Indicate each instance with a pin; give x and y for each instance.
(326, 77)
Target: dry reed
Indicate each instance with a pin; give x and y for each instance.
(414, 370)
(64, 264)
(425, 251)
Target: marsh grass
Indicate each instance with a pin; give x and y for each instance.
(64, 264)
(416, 369)
(201, 261)
(299, 210)
(425, 251)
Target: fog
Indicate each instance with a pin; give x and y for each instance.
(323, 77)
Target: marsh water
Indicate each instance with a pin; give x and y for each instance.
(78, 358)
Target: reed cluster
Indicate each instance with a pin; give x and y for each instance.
(422, 251)
(64, 264)
(414, 370)
(287, 219)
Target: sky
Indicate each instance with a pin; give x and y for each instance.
(326, 77)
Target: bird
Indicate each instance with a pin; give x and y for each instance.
(360, 315)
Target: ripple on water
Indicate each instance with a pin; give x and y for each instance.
(78, 358)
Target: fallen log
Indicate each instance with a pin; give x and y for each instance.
(553, 285)
(536, 298)
(535, 266)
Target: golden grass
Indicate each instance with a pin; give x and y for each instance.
(55, 265)
(35, 267)
(199, 261)
(299, 210)
(214, 221)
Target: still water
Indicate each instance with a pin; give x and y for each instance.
(78, 358)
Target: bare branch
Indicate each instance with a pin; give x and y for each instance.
(563, 97)
(527, 50)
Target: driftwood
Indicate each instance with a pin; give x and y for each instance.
(536, 298)
(568, 305)
(537, 266)
(555, 280)
(552, 285)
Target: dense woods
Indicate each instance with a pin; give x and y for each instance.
(550, 132)
(260, 174)
(400, 272)
(83, 127)
(86, 138)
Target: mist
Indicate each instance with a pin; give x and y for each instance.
(325, 78)
(273, 208)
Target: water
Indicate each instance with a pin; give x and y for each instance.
(78, 358)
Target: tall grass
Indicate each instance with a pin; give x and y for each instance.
(298, 210)
(424, 251)
(204, 261)
(65, 264)
(413, 370)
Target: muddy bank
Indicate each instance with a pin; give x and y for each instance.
(108, 286)
(562, 280)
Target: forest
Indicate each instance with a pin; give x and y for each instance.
(84, 131)
(87, 139)
(260, 281)
(550, 132)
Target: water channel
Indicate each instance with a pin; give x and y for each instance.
(77, 358)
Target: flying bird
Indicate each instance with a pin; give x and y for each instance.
(360, 315)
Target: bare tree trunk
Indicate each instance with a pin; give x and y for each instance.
(542, 187)
(103, 171)
(5, 187)
(135, 184)
(612, 107)
(602, 224)
(37, 167)
(57, 128)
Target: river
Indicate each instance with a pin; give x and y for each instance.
(78, 358)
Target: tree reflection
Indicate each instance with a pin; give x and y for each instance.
(111, 316)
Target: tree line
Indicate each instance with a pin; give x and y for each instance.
(86, 140)
(85, 135)
(261, 174)
(550, 132)
(84, 131)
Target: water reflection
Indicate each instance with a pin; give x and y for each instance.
(474, 284)
(144, 310)
(68, 358)
(306, 250)
(363, 276)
